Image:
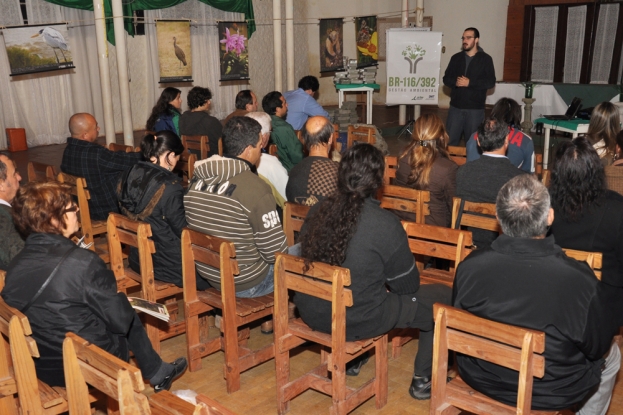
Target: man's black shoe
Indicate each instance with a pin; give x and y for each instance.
(420, 387)
(354, 366)
(179, 366)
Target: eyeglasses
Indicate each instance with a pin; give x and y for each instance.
(72, 208)
(467, 37)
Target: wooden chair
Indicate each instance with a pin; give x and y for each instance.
(17, 369)
(405, 199)
(186, 167)
(220, 146)
(197, 142)
(427, 241)
(593, 259)
(509, 346)
(326, 282)
(293, 218)
(272, 150)
(237, 312)
(391, 166)
(458, 154)
(91, 229)
(337, 146)
(361, 134)
(41, 172)
(542, 174)
(122, 230)
(472, 215)
(123, 147)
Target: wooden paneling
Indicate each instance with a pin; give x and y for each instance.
(514, 39)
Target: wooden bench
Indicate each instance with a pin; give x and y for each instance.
(328, 283)
(509, 346)
(218, 253)
(360, 134)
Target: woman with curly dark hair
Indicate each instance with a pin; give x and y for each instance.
(425, 165)
(351, 230)
(588, 217)
(166, 113)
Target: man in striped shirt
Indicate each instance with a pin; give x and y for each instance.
(226, 198)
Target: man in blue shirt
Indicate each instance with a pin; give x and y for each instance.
(301, 102)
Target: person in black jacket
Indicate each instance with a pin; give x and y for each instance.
(197, 120)
(469, 74)
(150, 192)
(79, 293)
(351, 230)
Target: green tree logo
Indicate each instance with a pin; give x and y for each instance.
(413, 54)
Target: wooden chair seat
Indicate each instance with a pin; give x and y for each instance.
(49, 396)
(244, 306)
(165, 403)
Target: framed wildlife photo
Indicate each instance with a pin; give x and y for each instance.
(331, 45)
(233, 50)
(174, 54)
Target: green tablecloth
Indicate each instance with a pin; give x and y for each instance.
(350, 86)
(571, 125)
(591, 94)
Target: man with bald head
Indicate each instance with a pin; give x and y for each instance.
(83, 157)
(315, 177)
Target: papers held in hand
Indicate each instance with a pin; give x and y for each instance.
(153, 309)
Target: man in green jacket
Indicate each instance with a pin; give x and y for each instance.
(289, 148)
(11, 243)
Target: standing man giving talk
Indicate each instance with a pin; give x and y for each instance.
(469, 74)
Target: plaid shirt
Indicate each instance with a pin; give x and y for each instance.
(101, 168)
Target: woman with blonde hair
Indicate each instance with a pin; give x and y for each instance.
(602, 131)
(425, 165)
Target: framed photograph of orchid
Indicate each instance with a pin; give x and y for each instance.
(234, 50)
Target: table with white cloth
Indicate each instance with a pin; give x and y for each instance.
(575, 127)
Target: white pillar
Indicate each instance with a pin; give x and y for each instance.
(402, 109)
(419, 22)
(102, 57)
(277, 45)
(290, 44)
(122, 73)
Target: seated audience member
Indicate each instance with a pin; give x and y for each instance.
(315, 177)
(269, 167)
(302, 102)
(520, 146)
(614, 172)
(526, 280)
(165, 115)
(11, 242)
(101, 168)
(425, 165)
(351, 230)
(289, 148)
(481, 180)
(602, 131)
(227, 199)
(246, 102)
(588, 216)
(80, 294)
(152, 193)
(197, 120)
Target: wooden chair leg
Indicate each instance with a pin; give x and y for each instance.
(173, 309)
(192, 339)
(232, 361)
(282, 369)
(324, 359)
(381, 383)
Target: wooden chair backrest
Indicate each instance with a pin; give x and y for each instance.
(197, 142)
(405, 199)
(438, 242)
(272, 150)
(293, 218)
(186, 165)
(337, 146)
(220, 146)
(81, 192)
(509, 346)
(472, 215)
(458, 154)
(362, 134)
(41, 172)
(123, 230)
(593, 259)
(123, 147)
(391, 167)
(538, 164)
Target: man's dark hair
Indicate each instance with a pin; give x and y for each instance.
(239, 133)
(491, 134)
(309, 82)
(271, 102)
(198, 96)
(243, 98)
(473, 29)
(522, 207)
(3, 167)
(321, 136)
(507, 110)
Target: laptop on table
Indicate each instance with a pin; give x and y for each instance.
(572, 111)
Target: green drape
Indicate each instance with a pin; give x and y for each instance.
(238, 6)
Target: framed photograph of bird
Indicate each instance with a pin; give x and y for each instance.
(331, 45)
(174, 53)
(234, 50)
(39, 48)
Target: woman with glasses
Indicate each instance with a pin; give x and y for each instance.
(64, 288)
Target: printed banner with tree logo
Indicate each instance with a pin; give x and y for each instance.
(413, 63)
(234, 52)
(367, 41)
(331, 45)
(174, 50)
(40, 48)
